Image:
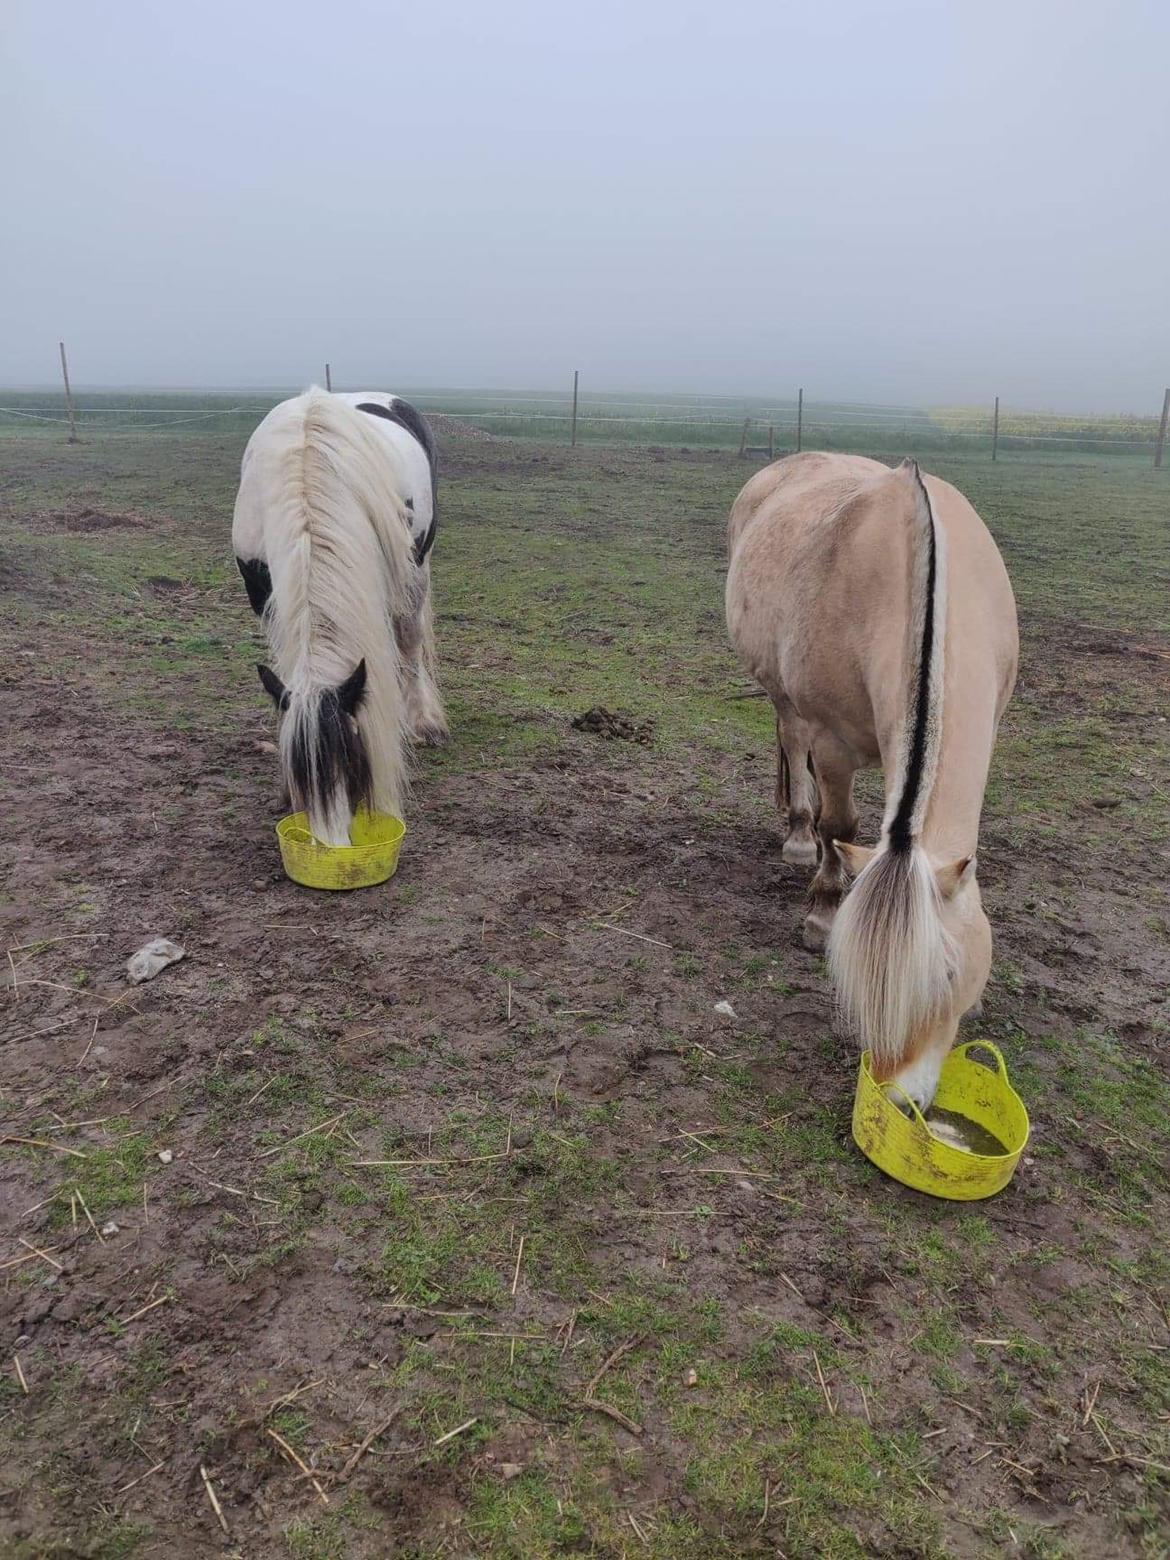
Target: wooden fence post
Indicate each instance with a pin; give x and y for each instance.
(328, 378)
(743, 438)
(1160, 446)
(573, 430)
(73, 439)
(771, 441)
(799, 418)
(995, 432)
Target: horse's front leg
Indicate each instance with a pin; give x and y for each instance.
(838, 821)
(426, 719)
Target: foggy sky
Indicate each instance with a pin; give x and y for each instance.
(924, 200)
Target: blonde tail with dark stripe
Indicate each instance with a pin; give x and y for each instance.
(891, 958)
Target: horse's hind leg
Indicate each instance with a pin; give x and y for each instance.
(837, 821)
(795, 789)
(425, 717)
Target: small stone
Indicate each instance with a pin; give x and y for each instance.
(153, 957)
(109, 1228)
(510, 1470)
(725, 1008)
(691, 1379)
(165, 1155)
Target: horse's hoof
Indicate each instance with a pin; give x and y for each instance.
(815, 935)
(431, 736)
(797, 852)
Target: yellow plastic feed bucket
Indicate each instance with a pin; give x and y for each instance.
(372, 858)
(905, 1148)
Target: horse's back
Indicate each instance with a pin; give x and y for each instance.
(787, 485)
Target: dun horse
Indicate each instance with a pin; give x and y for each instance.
(334, 523)
(875, 610)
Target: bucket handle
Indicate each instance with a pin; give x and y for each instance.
(913, 1104)
(985, 1045)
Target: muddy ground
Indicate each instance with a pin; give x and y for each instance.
(459, 1192)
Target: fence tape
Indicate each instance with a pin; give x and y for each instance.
(881, 420)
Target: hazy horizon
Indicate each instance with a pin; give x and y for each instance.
(906, 203)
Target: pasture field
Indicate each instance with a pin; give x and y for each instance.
(469, 1200)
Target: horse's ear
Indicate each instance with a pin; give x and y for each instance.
(954, 876)
(273, 686)
(352, 690)
(855, 857)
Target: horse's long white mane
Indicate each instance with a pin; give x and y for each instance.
(322, 488)
(891, 957)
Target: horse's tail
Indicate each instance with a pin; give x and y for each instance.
(891, 958)
(339, 551)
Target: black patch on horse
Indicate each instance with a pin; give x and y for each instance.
(424, 544)
(410, 418)
(273, 687)
(257, 582)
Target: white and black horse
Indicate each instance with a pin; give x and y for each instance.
(334, 523)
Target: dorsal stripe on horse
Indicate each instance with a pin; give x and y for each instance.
(924, 725)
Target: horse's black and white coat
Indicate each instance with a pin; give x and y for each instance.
(409, 433)
(334, 523)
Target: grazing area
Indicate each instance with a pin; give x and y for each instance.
(453, 1217)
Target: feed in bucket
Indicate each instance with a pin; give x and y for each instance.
(970, 1143)
(371, 858)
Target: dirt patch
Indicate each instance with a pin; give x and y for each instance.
(445, 426)
(86, 520)
(611, 1006)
